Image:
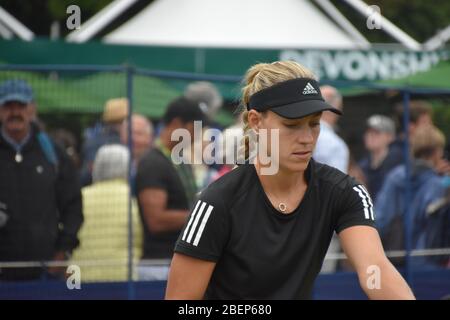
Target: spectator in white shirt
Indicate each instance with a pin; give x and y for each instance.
(330, 148)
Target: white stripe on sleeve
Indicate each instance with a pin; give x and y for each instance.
(364, 202)
(197, 218)
(203, 224)
(190, 220)
(363, 189)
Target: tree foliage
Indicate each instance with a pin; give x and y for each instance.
(38, 15)
(418, 18)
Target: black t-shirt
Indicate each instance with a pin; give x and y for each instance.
(157, 171)
(260, 252)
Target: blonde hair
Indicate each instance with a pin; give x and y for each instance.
(261, 76)
(426, 140)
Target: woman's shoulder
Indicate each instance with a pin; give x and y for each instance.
(332, 176)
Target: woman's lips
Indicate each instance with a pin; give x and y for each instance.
(302, 154)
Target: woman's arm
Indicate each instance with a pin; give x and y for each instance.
(377, 276)
(188, 278)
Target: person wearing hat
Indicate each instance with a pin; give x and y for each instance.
(206, 95)
(263, 235)
(166, 189)
(40, 198)
(108, 131)
(379, 135)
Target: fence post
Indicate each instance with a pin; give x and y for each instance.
(129, 83)
(407, 195)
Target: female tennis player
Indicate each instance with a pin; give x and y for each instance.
(259, 236)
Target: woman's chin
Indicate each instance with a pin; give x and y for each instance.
(297, 165)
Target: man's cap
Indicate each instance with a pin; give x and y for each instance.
(15, 90)
(115, 110)
(186, 110)
(381, 123)
(204, 92)
(291, 99)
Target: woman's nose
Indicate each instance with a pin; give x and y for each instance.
(305, 135)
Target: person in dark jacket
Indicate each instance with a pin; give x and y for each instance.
(40, 198)
(427, 145)
(380, 159)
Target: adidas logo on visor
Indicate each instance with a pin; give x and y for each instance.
(309, 89)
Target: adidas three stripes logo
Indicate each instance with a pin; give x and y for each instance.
(366, 201)
(197, 222)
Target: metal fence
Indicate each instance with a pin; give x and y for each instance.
(72, 97)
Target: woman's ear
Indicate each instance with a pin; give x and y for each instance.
(254, 120)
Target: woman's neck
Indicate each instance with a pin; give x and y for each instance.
(283, 181)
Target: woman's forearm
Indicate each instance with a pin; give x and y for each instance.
(384, 282)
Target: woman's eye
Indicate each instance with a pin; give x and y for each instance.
(296, 125)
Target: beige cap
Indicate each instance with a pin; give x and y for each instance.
(115, 110)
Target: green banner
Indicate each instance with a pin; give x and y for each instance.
(347, 65)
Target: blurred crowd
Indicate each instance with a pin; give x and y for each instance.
(67, 207)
